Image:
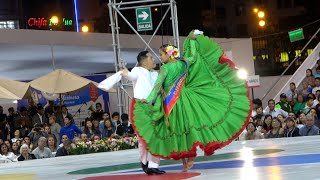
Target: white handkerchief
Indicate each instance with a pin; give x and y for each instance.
(197, 32)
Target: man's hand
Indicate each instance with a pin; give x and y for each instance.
(125, 72)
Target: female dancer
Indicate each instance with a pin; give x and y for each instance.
(196, 101)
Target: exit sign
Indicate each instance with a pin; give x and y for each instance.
(296, 35)
(144, 19)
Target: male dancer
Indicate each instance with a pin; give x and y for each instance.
(143, 82)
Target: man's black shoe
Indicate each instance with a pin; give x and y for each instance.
(151, 171)
(144, 167)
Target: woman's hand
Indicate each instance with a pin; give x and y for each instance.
(192, 36)
(143, 100)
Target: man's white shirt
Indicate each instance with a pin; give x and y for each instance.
(143, 81)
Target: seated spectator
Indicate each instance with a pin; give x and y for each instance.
(125, 128)
(317, 86)
(84, 137)
(17, 135)
(15, 149)
(252, 132)
(36, 133)
(8, 143)
(5, 154)
(76, 140)
(64, 150)
(69, 129)
(310, 78)
(96, 138)
(301, 121)
(46, 129)
(115, 118)
(55, 128)
(283, 103)
(96, 127)
(305, 90)
(317, 75)
(52, 143)
(105, 116)
(259, 112)
(25, 153)
(64, 138)
(299, 105)
(255, 103)
(27, 140)
(266, 127)
(108, 129)
(274, 112)
(282, 119)
(88, 128)
(277, 130)
(42, 151)
(309, 105)
(292, 93)
(290, 129)
(309, 129)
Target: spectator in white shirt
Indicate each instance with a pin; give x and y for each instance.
(5, 154)
(274, 112)
(42, 151)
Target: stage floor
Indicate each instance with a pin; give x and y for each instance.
(276, 159)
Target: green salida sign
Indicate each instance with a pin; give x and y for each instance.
(144, 19)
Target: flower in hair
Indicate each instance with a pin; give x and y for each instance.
(172, 51)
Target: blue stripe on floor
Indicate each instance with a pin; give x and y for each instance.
(258, 162)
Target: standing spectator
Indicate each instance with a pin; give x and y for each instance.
(55, 128)
(310, 78)
(309, 129)
(3, 122)
(49, 110)
(42, 151)
(5, 154)
(61, 114)
(40, 118)
(25, 153)
(23, 122)
(291, 129)
(69, 129)
(252, 132)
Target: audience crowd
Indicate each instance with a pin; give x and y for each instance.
(37, 132)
